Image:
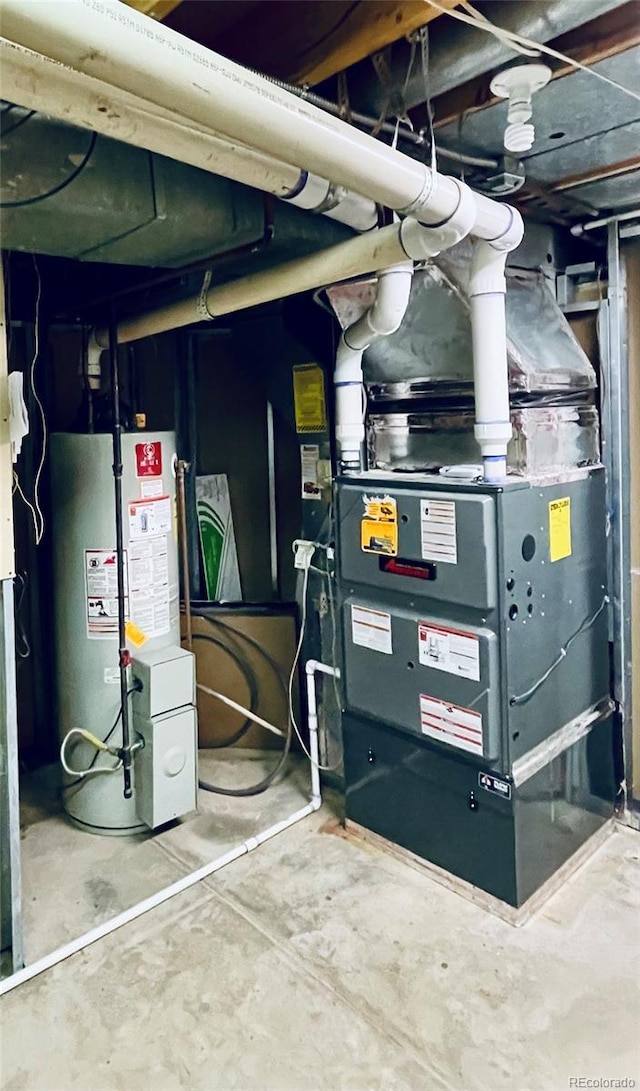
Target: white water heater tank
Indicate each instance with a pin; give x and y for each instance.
(85, 598)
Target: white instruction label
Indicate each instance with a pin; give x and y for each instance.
(149, 582)
(309, 456)
(149, 517)
(151, 487)
(371, 629)
(438, 531)
(449, 650)
(111, 676)
(101, 587)
(460, 727)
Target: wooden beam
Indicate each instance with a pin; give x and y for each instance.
(363, 29)
(155, 9)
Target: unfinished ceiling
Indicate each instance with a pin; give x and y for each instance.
(359, 55)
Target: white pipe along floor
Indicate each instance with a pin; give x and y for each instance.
(317, 963)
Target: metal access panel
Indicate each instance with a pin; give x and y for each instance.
(165, 768)
(504, 839)
(478, 622)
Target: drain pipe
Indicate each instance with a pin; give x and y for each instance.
(313, 667)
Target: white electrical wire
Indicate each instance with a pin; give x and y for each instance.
(240, 708)
(292, 674)
(524, 45)
(35, 509)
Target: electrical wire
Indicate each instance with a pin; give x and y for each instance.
(527, 46)
(294, 667)
(101, 748)
(268, 780)
(61, 185)
(35, 509)
(82, 780)
(250, 679)
(522, 698)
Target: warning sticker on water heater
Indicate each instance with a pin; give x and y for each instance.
(149, 517)
(449, 650)
(438, 530)
(149, 581)
(460, 727)
(101, 587)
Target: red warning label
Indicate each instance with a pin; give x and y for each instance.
(148, 459)
(461, 727)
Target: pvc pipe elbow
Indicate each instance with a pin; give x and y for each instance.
(512, 236)
(487, 270)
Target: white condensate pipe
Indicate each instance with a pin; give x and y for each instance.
(187, 881)
(38, 83)
(490, 369)
(361, 254)
(313, 667)
(128, 50)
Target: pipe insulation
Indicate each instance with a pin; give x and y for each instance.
(146, 58)
(38, 83)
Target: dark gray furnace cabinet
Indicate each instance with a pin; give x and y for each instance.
(477, 726)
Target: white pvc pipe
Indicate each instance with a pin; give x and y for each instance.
(312, 667)
(382, 318)
(38, 83)
(347, 259)
(128, 915)
(490, 369)
(130, 51)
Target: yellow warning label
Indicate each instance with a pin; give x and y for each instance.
(134, 634)
(379, 525)
(308, 397)
(560, 528)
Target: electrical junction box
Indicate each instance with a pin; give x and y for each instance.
(164, 720)
(167, 680)
(166, 766)
(476, 670)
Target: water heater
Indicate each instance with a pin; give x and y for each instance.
(85, 598)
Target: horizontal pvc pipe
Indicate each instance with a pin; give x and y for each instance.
(347, 259)
(38, 83)
(128, 915)
(148, 59)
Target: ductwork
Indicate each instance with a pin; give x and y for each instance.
(460, 53)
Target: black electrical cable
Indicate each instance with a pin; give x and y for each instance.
(18, 123)
(61, 185)
(266, 782)
(82, 780)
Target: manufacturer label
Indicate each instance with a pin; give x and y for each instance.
(308, 397)
(309, 457)
(149, 517)
(371, 629)
(148, 459)
(560, 528)
(490, 783)
(459, 727)
(111, 675)
(438, 531)
(379, 525)
(449, 650)
(101, 589)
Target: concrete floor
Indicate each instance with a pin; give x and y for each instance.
(314, 963)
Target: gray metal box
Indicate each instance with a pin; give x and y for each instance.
(167, 678)
(166, 766)
(488, 647)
